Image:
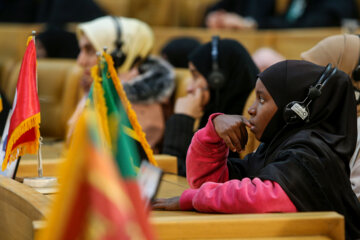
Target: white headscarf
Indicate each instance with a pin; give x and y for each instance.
(137, 37)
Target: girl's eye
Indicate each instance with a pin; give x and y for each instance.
(261, 100)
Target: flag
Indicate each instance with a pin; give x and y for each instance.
(93, 202)
(110, 100)
(23, 133)
(122, 121)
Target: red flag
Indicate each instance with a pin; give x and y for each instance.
(23, 135)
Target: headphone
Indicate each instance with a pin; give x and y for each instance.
(118, 55)
(295, 111)
(216, 78)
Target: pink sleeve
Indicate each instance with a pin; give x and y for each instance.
(206, 157)
(235, 196)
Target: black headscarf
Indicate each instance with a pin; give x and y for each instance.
(310, 160)
(240, 75)
(59, 43)
(333, 114)
(177, 50)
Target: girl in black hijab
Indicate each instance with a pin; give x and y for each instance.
(239, 72)
(301, 165)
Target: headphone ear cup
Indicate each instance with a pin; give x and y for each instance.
(295, 112)
(288, 114)
(118, 57)
(216, 79)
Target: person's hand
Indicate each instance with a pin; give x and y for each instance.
(190, 104)
(85, 83)
(231, 128)
(235, 21)
(127, 76)
(214, 20)
(169, 204)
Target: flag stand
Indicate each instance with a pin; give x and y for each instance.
(42, 184)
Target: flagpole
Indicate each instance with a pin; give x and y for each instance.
(39, 156)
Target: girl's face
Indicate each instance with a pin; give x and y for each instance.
(262, 110)
(198, 81)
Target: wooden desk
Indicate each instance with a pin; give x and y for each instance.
(195, 225)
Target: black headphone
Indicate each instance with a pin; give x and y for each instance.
(296, 111)
(118, 55)
(216, 78)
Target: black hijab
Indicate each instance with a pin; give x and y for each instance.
(240, 75)
(177, 50)
(310, 160)
(333, 114)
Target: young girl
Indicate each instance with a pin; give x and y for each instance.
(301, 165)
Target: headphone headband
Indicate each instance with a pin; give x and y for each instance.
(118, 55)
(215, 52)
(216, 78)
(118, 41)
(296, 111)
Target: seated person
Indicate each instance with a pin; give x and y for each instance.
(204, 97)
(55, 42)
(343, 51)
(250, 14)
(302, 163)
(147, 80)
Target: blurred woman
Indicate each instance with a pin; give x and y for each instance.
(147, 80)
(239, 75)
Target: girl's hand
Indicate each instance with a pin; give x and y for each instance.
(169, 204)
(231, 128)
